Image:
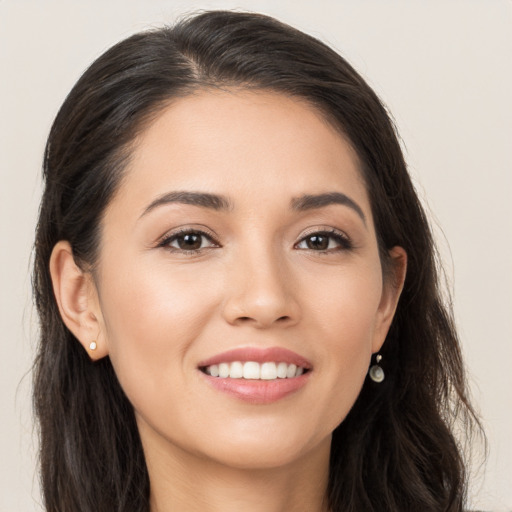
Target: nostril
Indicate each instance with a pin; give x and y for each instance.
(281, 319)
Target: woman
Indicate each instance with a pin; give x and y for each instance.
(237, 287)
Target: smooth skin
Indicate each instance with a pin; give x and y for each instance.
(178, 283)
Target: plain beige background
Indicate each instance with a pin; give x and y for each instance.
(444, 69)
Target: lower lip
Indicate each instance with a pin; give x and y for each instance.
(258, 391)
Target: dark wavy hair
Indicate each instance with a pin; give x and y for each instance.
(396, 450)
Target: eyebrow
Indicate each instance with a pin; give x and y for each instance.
(310, 202)
(202, 199)
(222, 203)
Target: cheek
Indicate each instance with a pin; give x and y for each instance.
(346, 302)
(151, 317)
(346, 314)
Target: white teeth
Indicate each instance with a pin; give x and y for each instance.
(237, 370)
(290, 372)
(252, 370)
(282, 370)
(223, 370)
(268, 371)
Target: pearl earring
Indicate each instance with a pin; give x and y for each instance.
(376, 372)
(93, 345)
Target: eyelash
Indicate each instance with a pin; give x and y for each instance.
(343, 241)
(168, 239)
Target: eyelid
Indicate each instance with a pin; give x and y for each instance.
(165, 239)
(346, 242)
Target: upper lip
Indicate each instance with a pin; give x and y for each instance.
(258, 355)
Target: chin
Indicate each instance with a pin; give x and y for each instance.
(265, 449)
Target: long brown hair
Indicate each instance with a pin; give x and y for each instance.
(395, 451)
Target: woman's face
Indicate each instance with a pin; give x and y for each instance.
(241, 233)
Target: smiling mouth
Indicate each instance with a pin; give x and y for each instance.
(257, 375)
(252, 370)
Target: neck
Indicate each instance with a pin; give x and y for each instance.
(181, 481)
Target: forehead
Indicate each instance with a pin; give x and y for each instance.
(232, 142)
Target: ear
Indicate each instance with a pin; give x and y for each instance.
(391, 290)
(77, 300)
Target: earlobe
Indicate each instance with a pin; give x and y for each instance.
(391, 290)
(76, 298)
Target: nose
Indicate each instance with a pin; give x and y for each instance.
(261, 292)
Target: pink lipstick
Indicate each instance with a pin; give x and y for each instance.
(257, 375)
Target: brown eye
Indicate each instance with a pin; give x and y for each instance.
(188, 242)
(317, 242)
(325, 242)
